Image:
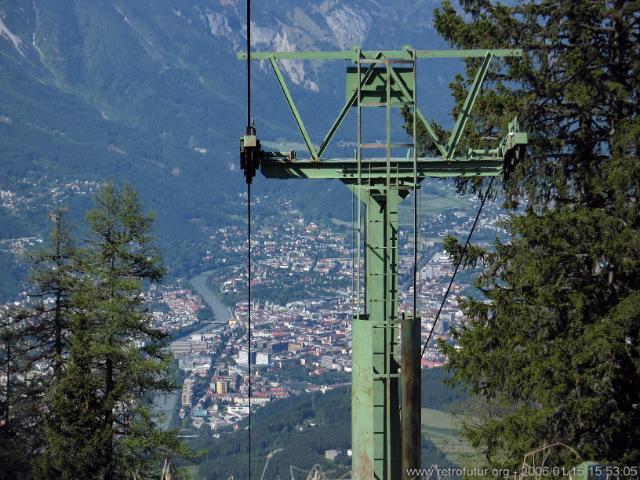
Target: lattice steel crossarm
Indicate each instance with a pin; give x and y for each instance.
(369, 85)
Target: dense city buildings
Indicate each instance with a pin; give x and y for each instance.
(301, 330)
(303, 289)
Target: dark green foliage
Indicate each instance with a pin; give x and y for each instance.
(35, 341)
(21, 395)
(52, 278)
(554, 353)
(75, 433)
(435, 392)
(99, 423)
(574, 89)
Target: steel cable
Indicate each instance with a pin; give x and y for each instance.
(249, 233)
(455, 271)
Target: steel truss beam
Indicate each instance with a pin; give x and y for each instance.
(461, 121)
(373, 58)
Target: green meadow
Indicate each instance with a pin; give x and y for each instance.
(442, 429)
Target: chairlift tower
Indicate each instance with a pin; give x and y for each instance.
(385, 373)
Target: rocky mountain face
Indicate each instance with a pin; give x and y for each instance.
(151, 92)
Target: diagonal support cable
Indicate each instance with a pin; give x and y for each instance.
(455, 271)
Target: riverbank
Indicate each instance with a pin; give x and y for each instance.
(166, 403)
(220, 310)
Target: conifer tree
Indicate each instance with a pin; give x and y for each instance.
(104, 427)
(22, 389)
(554, 345)
(74, 431)
(53, 272)
(34, 342)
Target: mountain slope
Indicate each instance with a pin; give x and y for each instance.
(151, 92)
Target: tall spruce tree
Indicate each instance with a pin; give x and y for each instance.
(34, 343)
(103, 423)
(53, 273)
(553, 348)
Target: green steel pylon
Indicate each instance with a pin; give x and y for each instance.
(381, 429)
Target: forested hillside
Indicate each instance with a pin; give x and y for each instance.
(297, 431)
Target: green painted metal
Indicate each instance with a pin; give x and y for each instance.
(374, 92)
(372, 88)
(427, 125)
(405, 54)
(514, 136)
(351, 101)
(294, 109)
(375, 379)
(461, 122)
(510, 147)
(389, 458)
(401, 168)
(379, 185)
(362, 395)
(431, 132)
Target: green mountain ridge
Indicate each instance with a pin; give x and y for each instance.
(150, 92)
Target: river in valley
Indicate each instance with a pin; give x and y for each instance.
(166, 402)
(220, 310)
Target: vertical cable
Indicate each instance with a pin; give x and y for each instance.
(418, 276)
(353, 255)
(249, 131)
(248, 63)
(249, 311)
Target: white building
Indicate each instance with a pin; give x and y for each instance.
(243, 358)
(263, 358)
(331, 454)
(241, 410)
